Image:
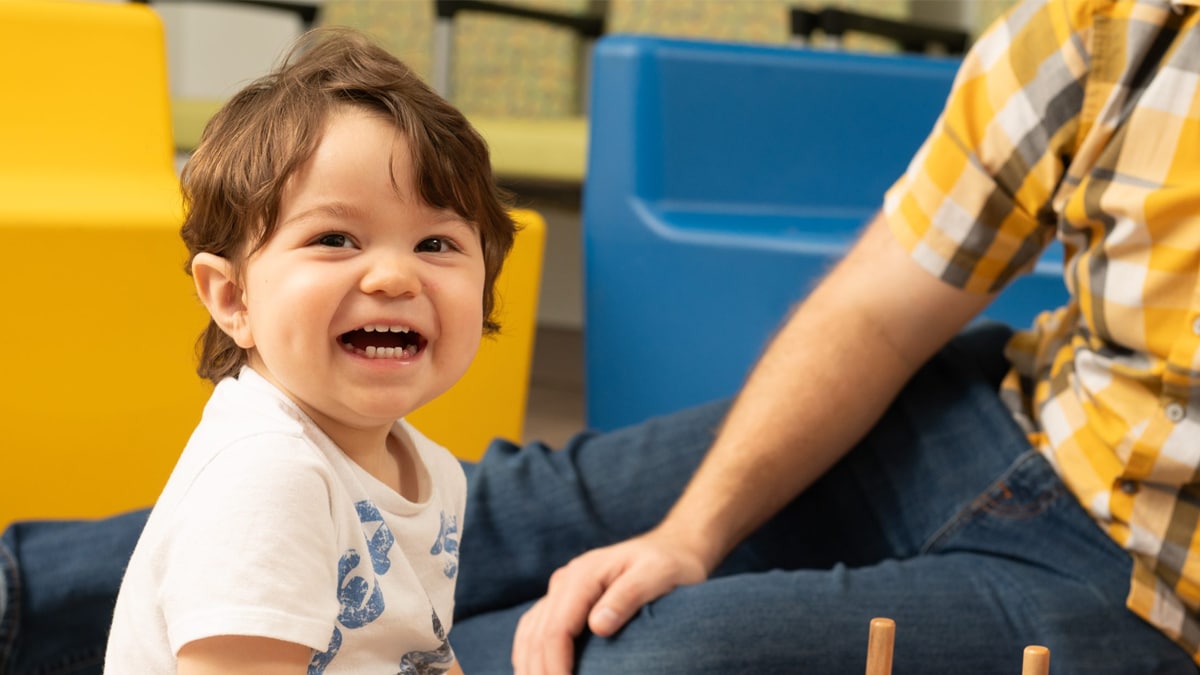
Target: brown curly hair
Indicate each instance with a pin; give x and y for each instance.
(233, 181)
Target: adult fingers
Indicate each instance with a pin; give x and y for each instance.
(651, 576)
(544, 643)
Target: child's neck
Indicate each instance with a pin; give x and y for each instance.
(381, 453)
(391, 461)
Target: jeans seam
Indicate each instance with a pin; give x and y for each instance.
(67, 666)
(980, 504)
(9, 623)
(10, 627)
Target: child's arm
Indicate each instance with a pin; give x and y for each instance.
(232, 654)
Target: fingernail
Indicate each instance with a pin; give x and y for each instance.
(606, 620)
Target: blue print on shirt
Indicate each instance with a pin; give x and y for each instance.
(447, 542)
(320, 660)
(361, 599)
(380, 544)
(359, 595)
(432, 662)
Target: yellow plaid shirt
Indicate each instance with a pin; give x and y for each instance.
(1080, 120)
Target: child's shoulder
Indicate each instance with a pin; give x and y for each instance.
(249, 406)
(249, 428)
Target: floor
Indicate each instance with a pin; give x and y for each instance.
(555, 409)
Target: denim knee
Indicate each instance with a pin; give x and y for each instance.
(61, 582)
(9, 592)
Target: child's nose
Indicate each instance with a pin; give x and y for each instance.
(392, 275)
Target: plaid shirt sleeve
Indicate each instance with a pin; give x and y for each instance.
(1080, 119)
(975, 204)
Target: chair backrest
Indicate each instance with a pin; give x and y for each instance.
(100, 392)
(724, 179)
(587, 23)
(491, 399)
(97, 101)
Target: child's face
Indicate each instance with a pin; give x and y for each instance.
(366, 303)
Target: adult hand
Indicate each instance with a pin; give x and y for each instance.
(602, 589)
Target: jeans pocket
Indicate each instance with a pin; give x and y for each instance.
(1025, 491)
(1020, 508)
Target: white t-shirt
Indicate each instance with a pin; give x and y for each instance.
(267, 529)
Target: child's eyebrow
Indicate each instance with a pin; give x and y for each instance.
(452, 219)
(336, 210)
(340, 210)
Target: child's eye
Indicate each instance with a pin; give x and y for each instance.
(334, 240)
(436, 245)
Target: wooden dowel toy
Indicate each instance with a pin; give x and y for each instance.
(1037, 661)
(880, 642)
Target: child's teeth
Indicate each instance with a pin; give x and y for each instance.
(373, 352)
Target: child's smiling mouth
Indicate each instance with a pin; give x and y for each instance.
(383, 342)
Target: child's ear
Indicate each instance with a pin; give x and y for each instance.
(217, 286)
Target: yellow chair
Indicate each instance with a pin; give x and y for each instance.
(490, 400)
(100, 320)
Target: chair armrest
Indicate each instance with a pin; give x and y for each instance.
(586, 24)
(307, 10)
(912, 37)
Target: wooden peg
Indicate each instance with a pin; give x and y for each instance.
(1037, 661)
(880, 642)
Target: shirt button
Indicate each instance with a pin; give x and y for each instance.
(1129, 487)
(1175, 412)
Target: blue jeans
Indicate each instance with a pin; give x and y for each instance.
(943, 519)
(60, 583)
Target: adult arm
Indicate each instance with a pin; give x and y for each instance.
(843, 355)
(973, 204)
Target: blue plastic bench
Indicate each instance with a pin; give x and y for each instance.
(723, 181)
